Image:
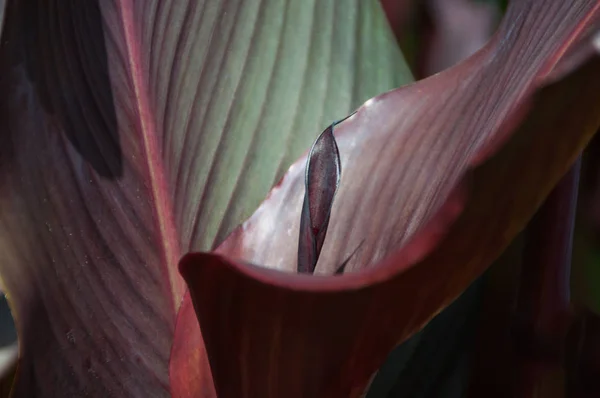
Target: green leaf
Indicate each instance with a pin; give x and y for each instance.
(134, 131)
(439, 176)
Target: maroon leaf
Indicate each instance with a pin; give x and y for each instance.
(405, 151)
(323, 171)
(132, 131)
(530, 98)
(88, 275)
(189, 369)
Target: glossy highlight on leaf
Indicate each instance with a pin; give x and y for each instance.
(477, 148)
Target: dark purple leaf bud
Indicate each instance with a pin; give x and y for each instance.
(323, 172)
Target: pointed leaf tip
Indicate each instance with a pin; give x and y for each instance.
(342, 268)
(322, 178)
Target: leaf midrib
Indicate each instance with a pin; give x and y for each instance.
(162, 204)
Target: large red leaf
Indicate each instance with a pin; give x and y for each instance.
(531, 98)
(134, 130)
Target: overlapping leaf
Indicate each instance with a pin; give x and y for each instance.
(531, 98)
(133, 131)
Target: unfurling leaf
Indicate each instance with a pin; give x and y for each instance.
(323, 172)
(445, 172)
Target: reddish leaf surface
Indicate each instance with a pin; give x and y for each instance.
(321, 182)
(190, 370)
(132, 131)
(86, 272)
(530, 98)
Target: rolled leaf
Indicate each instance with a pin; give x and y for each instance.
(323, 171)
(506, 124)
